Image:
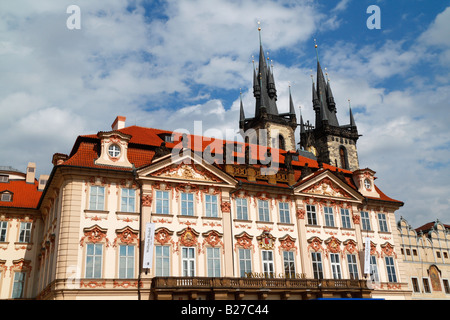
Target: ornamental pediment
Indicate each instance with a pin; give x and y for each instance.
(186, 172)
(326, 187)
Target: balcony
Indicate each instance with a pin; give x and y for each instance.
(261, 287)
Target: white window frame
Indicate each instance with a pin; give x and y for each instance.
(6, 197)
(263, 210)
(162, 202)
(382, 222)
(114, 150)
(3, 231)
(25, 232)
(317, 266)
(352, 266)
(427, 285)
(130, 200)
(418, 285)
(289, 264)
(162, 261)
(189, 201)
(329, 216)
(97, 199)
(390, 269)
(94, 261)
(365, 221)
(241, 214)
(267, 263)
(211, 208)
(213, 261)
(18, 289)
(284, 212)
(374, 276)
(335, 266)
(188, 261)
(245, 261)
(311, 214)
(127, 261)
(345, 219)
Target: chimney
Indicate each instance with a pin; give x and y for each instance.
(31, 172)
(119, 123)
(43, 178)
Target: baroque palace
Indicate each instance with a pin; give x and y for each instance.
(142, 213)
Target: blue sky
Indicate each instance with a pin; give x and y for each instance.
(166, 64)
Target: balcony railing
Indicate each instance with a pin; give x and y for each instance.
(255, 283)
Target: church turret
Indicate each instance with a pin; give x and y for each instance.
(331, 143)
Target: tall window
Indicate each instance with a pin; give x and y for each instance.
(263, 208)
(345, 218)
(128, 200)
(329, 218)
(126, 262)
(3, 229)
(311, 214)
(284, 212)
(415, 284)
(426, 285)
(289, 265)
(211, 205)
(94, 257)
(213, 261)
(335, 265)
(97, 198)
(343, 157)
(241, 209)
(390, 267)
(316, 258)
(352, 266)
(365, 220)
(188, 261)
(374, 269)
(187, 204)
(382, 222)
(162, 261)
(267, 260)
(281, 142)
(162, 202)
(245, 262)
(25, 232)
(18, 285)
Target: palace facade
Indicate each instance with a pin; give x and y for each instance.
(229, 220)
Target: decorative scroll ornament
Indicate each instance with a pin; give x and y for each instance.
(188, 237)
(388, 250)
(315, 244)
(126, 236)
(350, 246)
(94, 234)
(287, 243)
(301, 213)
(327, 188)
(225, 206)
(163, 236)
(147, 201)
(333, 245)
(244, 240)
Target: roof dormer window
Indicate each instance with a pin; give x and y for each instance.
(114, 150)
(4, 178)
(6, 196)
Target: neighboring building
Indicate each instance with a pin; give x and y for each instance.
(232, 220)
(426, 256)
(20, 228)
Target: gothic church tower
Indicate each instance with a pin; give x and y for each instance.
(268, 126)
(330, 142)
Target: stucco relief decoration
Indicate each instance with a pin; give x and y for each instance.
(187, 172)
(225, 207)
(388, 250)
(244, 240)
(21, 265)
(94, 234)
(333, 245)
(356, 218)
(301, 213)
(350, 246)
(163, 236)
(327, 188)
(147, 200)
(188, 237)
(126, 236)
(3, 268)
(263, 196)
(187, 187)
(213, 239)
(287, 243)
(315, 244)
(266, 241)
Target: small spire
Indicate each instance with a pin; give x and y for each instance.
(352, 120)
(242, 115)
(317, 51)
(291, 103)
(259, 29)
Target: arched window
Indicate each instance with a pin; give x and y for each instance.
(343, 157)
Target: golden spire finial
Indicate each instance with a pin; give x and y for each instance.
(259, 25)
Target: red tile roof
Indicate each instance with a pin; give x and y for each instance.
(25, 195)
(144, 141)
